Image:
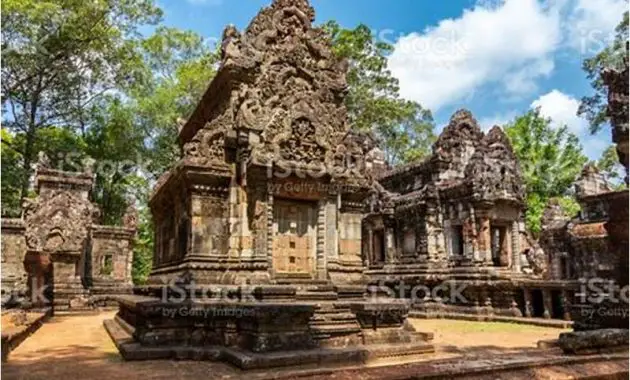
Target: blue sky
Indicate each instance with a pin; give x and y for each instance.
(496, 58)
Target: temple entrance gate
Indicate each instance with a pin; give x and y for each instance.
(294, 231)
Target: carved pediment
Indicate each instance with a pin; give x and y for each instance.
(494, 170)
(285, 91)
(58, 223)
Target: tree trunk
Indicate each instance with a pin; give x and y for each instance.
(30, 143)
(28, 160)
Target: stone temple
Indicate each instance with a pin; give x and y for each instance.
(58, 253)
(281, 213)
(283, 238)
(263, 216)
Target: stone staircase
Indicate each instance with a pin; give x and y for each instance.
(70, 298)
(333, 321)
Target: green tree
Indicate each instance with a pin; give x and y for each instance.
(116, 145)
(62, 145)
(60, 57)
(373, 101)
(608, 164)
(11, 175)
(593, 107)
(181, 65)
(550, 158)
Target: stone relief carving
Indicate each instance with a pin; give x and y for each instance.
(57, 223)
(493, 169)
(289, 90)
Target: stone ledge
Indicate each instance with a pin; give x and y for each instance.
(556, 323)
(586, 342)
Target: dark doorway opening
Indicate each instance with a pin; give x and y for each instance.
(457, 240)
(557, 307)
(538, 303)
(378, 246)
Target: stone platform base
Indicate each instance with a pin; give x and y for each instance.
(266, 326)
(122, 335)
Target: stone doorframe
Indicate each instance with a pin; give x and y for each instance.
(319, 271)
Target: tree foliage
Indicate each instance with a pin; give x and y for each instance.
(593, 107)
(181, 66)
(609, 165)
(60, 58)
(551, 160)
(373, 100)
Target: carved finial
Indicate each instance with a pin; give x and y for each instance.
(130, 219)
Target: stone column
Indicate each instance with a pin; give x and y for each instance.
(320, 253)
(270, 231)
(516, 248)
(332, 229)
(484, 240)
(368, 254)
(527, 295)
(389, 243)
(234, 224)
(547, 304)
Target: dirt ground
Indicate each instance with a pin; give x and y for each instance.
(79, 348)
(461, 334)
(14, 322)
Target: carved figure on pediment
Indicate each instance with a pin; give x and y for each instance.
(302, 144)
(206, 147)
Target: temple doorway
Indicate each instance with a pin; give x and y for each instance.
(557, 304)
(500, 246)
(294, 225)
(378, 247)
(538, 304)
(40, 278)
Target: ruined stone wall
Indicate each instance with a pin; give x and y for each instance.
(111, 253)
(14, 277)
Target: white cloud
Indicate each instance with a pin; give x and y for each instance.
(591, 24)
(507, 44)
(510, 43)
(562, 109)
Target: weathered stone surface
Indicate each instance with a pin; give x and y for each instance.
(588, 341)
(57, 245)
(616, 79)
